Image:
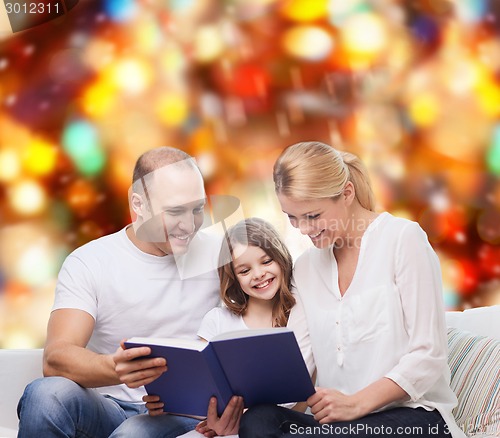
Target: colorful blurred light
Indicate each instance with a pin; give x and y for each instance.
(19, 338)
(99, 98)
(133, 76)
(468, 277)
(247, 80)
(40, 157)
(310, 43)
(424, 109)
(98, 53)
(487, 226)
(469, 77)
(81, 197)
(147, 35)
(10, 165)
(465, 130)
(208, 43)
(37, 265)
(425, 29)
(120, 10)
(172, 109)
(172, 60)
(493, 153)
(341, 10)
(364, 37)
(180, 6)
(27, 197)
(488, 95)
(81, 142)
(304, 10)
(471, 11)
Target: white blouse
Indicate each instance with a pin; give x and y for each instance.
(390, 321)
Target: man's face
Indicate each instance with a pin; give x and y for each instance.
(173, 207)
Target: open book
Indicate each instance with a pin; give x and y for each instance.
(262, 366)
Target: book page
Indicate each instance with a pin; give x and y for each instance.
(249, 333)
(190, 344)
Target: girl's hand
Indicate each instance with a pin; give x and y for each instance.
(328, 405)
(228, 423)
(203, 428)
(153, 405)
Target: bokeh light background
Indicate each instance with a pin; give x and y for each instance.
(413, 87)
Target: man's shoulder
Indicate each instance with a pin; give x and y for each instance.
(101, 245)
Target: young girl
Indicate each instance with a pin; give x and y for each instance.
(256, 290)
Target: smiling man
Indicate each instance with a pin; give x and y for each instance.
(125, 284)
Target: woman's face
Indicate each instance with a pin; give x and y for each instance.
(324, 221)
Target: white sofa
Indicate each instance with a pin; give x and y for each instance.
(474, 358)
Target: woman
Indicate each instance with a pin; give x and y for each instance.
(371, 289)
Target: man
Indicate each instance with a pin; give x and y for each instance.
(123, 285)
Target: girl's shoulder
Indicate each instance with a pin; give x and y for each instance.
(221, 313)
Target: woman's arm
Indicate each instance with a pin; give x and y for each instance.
(298, 323)
(418, 282)
(329, 405)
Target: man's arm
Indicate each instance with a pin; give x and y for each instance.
(65, 355)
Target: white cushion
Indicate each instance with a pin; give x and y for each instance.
(17, 369)
(484, 321)
(475, 378)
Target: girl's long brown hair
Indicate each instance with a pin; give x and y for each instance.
(259, 233)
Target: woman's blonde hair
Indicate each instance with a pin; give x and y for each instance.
(315, 170)
(259, 233)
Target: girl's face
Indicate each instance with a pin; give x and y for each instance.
(258, 274)
(324, 221)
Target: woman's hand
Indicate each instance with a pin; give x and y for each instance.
(154, 405)
(328, 405)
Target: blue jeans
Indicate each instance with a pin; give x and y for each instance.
(164, 426)
(58, 407)
(268, 421)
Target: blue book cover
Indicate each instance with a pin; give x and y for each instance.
(262, 366)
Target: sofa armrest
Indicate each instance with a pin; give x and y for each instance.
(17, 369)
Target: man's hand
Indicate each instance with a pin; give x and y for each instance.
(154, 405)
(136, 372)
(227, 424)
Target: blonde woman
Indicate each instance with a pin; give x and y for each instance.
(371, 290)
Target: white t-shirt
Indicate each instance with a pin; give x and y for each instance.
(390, 322)
(222, 320)
(132, 293)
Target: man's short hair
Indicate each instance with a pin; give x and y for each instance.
(159, 157)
